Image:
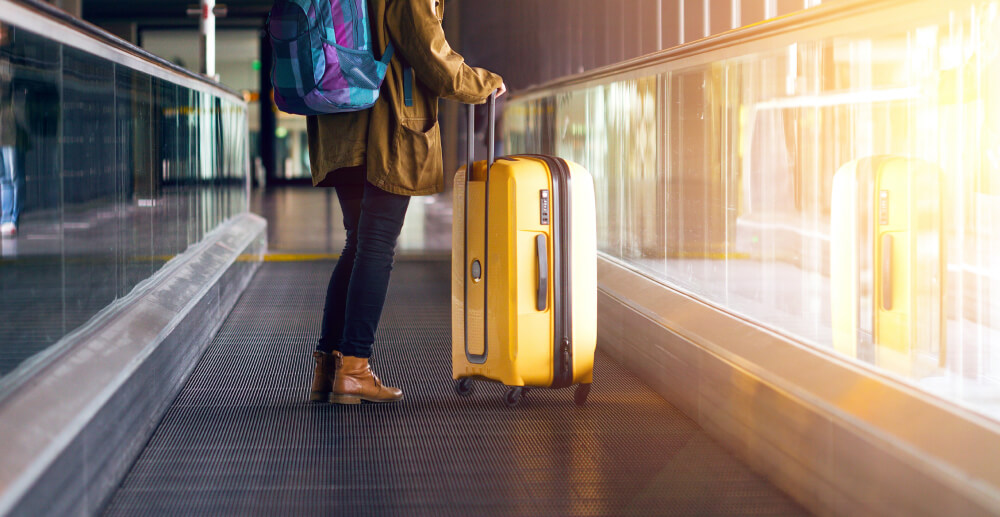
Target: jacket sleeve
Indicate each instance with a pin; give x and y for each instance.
(417, 35)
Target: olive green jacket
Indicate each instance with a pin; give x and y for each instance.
(399, 144)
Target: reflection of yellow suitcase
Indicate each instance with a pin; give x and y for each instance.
(887, 263)
(524, 274)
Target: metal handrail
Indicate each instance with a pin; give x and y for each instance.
(821, 14)
(107, 39)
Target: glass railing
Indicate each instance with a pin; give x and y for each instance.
(833, 175)
(112, 163)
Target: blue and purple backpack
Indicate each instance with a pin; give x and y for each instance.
(323, 59)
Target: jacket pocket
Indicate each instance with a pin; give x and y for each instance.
(418, 154)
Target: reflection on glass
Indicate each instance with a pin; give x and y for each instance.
(844, 191)
(115, 172)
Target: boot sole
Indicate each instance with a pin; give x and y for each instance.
(319, 396)
(356, 399)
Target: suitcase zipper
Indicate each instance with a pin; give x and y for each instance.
(562, 349)
(565, 277)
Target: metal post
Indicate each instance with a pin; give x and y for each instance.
(770, 9)
(706, 19)
(207, 26)
(681, 36)
(659, 25)
(207, 12)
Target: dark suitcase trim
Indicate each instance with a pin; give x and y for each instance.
(562, 344)
(470, 167)
(484, 265)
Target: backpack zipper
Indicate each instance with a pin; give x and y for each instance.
(355, 21)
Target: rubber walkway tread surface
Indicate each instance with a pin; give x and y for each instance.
(242, 439)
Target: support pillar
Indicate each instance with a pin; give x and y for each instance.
(268, 120)
(207, 25)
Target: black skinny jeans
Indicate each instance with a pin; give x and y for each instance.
(373, 219)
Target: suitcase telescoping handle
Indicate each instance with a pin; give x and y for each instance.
(541, 252)
(477, 269)
(490, 136)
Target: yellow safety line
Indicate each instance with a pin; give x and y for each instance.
(306, 257)
(299, 257)
(270, 257)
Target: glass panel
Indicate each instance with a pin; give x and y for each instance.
(107, 173)
(90, 214)
(173, 217)
(133, 108)
(31, 265)
(841, 190)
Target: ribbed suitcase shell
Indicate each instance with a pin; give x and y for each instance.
(529, 326)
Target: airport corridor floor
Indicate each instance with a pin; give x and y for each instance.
(242, 438)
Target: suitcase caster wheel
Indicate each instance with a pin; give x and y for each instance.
(464, 387)
(580, 394)
(513, 396)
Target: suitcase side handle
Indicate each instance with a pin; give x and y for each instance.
(542, 290)
(887, 272)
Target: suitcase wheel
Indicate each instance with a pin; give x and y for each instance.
(580, 394)
(513, 396)
(464, 387)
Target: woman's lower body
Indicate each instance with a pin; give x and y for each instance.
(11, 187)
(355, 296)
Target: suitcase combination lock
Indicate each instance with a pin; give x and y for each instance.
(476, 270)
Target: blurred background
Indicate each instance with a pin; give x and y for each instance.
(831, 179)
(724, 177)
(557, 38)
(136, 155)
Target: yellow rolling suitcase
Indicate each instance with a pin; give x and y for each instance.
(524, 273)
(887, 263)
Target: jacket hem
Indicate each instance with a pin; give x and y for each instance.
(396, 189)
(325, 180)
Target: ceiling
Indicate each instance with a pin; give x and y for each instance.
(170, 12)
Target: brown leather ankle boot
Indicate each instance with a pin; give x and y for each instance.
(356, 382)
(326, 370)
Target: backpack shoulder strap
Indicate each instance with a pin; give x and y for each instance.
(389, 51)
